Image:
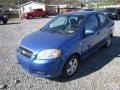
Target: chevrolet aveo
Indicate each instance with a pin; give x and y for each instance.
(56, 49)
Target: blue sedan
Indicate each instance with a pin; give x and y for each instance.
(57, 48)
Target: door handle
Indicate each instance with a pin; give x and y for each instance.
(98, 33)
(109, 27)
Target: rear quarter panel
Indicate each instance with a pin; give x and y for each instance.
(110, 27)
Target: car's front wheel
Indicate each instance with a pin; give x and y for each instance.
(71, 66)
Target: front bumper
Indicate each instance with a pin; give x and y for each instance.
(45, 68)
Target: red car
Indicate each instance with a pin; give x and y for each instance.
(69, 10)
(35, 13)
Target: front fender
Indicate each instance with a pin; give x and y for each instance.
(71, 48)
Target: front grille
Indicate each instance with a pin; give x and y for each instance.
(25, 52)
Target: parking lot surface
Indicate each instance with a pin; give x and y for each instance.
(99, 71)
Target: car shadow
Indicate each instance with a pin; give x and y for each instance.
(34, 18)
(11, 23)
(96, 61)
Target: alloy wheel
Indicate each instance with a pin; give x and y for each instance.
(72, 66)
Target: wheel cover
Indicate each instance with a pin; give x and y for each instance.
(72, 66)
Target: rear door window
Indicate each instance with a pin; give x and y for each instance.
(102, 19)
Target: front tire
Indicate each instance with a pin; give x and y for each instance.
(70, 66)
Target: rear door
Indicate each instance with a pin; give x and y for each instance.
(104, 28)
(37, 13)
(34, 13)
(41, 12)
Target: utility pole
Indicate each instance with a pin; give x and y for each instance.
(19, 12)
(101, 3)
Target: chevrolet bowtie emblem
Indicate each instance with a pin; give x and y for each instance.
(23, 51)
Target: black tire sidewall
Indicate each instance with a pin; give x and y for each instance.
(106, 45)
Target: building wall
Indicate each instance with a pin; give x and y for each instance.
(29, 7)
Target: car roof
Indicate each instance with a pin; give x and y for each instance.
(83, 13)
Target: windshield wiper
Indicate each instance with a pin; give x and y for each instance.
(55, 31)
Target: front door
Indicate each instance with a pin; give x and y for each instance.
(89, 41)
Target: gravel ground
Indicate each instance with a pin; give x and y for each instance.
(100, 71)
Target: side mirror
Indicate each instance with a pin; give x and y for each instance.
(89, 32)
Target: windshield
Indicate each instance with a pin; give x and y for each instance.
(64, 24)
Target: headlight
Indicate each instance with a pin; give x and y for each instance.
(49, 54)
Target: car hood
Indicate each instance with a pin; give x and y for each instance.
(43, 40)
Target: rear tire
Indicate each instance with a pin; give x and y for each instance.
(108, 42)
(43, 16)
(70, 66)
(30, 17)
